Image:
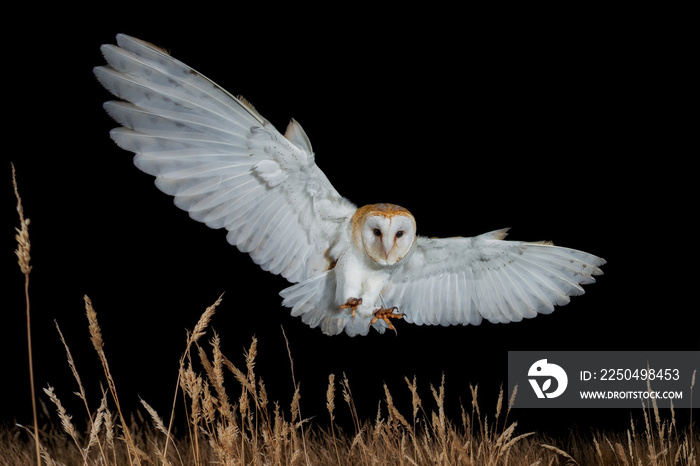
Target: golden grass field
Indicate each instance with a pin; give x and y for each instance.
(238, 424)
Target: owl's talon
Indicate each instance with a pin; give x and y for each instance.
(385, 314)
(352, 304)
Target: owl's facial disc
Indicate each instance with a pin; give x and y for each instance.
(388, 238)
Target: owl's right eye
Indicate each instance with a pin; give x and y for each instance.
(377, 232)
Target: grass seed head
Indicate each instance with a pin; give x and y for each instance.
(94, 326)
(22, 237)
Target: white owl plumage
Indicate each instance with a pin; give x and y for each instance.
(352, 268)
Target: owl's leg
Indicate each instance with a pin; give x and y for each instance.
(385, 314)
(351, 304)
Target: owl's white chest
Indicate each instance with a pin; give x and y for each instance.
(357, 276)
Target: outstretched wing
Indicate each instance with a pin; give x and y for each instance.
(224, 164)
(453, 281)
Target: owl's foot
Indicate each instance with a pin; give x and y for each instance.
(385, 314)
(351, 304)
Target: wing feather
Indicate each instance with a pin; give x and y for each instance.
(462, 280)
(224, 163)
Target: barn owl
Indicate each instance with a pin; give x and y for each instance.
(351, 268)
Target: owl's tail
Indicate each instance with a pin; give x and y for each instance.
(314, 301)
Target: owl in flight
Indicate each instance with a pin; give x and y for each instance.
(351, 268)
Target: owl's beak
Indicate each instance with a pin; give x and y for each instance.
(387, 246)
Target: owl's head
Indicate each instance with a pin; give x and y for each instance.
(386, 232)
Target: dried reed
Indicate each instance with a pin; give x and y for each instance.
(255, 431)
(23, 258)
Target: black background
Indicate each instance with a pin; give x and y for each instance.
(564, 127)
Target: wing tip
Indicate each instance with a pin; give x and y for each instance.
(495, 234)
(124, 40)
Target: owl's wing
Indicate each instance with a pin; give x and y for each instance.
(224, 164)
(452, 281)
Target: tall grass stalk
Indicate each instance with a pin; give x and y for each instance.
(330, 406)
(192, 338)
(133, 453)
(23, 258)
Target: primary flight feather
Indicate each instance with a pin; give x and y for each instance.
(352, 268)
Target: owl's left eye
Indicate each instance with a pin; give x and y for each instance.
(399, 233)
(377, 232)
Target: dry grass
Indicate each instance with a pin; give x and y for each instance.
(230, 421)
